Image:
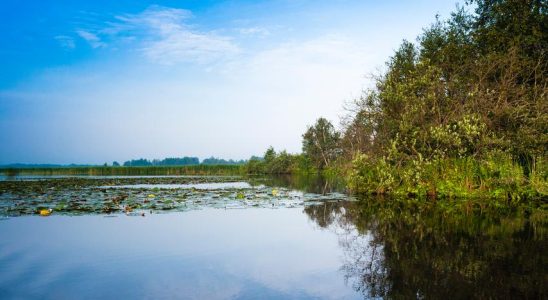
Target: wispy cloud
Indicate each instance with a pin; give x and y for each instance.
(164, 35)
(65, 41)
(254, 31)
(93, 40)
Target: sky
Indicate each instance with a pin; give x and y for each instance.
(99, 81)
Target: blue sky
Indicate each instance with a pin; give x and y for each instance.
(97, 81)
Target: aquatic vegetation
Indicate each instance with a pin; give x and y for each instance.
(133, 195)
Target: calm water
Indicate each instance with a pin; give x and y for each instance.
(198, 186)
(204, 254)
(320, 249)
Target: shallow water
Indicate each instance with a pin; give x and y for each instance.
(205, 254)
(254, 239)
(198, 186)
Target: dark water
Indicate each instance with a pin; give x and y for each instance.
(317, 250)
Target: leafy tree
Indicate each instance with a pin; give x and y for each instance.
(137, 163)
(174, 161)
(255, 165)
(274, 163)
(218, 161)
(488, 68)
(321, 143)
(170, 161)
(269, 155)
(473, 87)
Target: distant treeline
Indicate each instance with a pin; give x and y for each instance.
(171, 161)
(141, 162)
(182, 161)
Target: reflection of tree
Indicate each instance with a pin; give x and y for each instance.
(326, 214)
(401, 251)
(308, 183)
(364, 268)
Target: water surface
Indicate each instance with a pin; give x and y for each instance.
(198, 186)
(259, 238)
(204, 254)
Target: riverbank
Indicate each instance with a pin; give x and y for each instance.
(495, 178)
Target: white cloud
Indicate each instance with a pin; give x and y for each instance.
(179, 45)
(254, 31)
(66, 42)
(93, 40)
(265, 94)
(171, 40)
(164, 36)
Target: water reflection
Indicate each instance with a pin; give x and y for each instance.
(405, 251)
(324, 248)
(202, 254)
(307, 183)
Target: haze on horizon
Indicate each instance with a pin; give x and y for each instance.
(97, 82)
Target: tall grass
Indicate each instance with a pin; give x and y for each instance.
(496, 176)
(146, 170)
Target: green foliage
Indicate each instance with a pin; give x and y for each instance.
(371, 175)
(170, 161)
(255, 166)
(277, 163)
(285, 163)
(219, 161)
(459, 139)
(496, 176)
(321, 144)
(463, 113)
(124, 170)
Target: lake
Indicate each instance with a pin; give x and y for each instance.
(192, 237)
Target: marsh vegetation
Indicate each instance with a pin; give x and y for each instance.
(461, 113)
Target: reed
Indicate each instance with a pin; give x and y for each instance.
(133, 171)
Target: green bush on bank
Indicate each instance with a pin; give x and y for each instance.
(496, 176)
(279, 163)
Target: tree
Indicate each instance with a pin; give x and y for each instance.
(219, 161)
(115, 164)
(137, 163)
(321, 143)
(269, 155)
(358, 128)
(472, 84)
